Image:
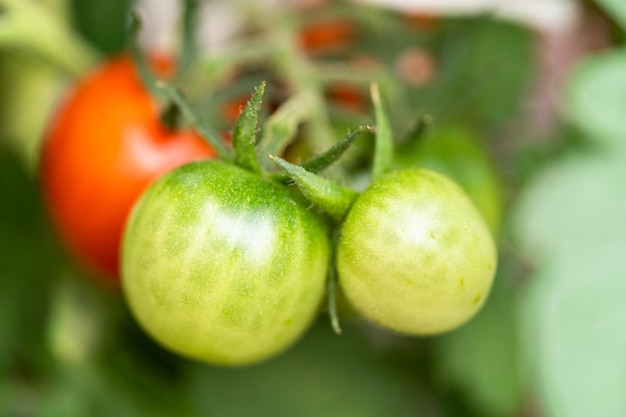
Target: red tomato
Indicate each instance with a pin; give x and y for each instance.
(422, 22)
(328, 35)
(104, 147)
(347, 96)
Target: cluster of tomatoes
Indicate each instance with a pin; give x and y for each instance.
(221, 261)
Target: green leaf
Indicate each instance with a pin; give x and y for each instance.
(482, 359)
(485, 67)
(615, 8)
(323, 375)
(244, 132)
(103, 23)
(576, 205)
(572, 221)
(29, 258)
(574, 316)
(596, 97)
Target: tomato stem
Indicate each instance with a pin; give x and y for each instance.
(419, 128)
(143, 67)
(189, 46)
(340, 72)
(332, 291)
(192, 119)
(163, 91)
(308, 103)
(281, 127)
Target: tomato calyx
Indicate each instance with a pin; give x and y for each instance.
(332, 197)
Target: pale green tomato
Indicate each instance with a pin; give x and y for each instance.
(222, 265)
(415, 255)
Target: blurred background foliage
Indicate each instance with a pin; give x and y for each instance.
(550, 340)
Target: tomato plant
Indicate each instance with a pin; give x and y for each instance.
(222, 265)
(105, 145)
(205, 282)
(414, 254)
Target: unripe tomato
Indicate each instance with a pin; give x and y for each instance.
(414, 254)
(222, 265)
(105, 145)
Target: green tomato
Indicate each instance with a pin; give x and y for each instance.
(222, 265)
(414, 254)
(456, 152)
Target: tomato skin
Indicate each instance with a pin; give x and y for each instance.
(414, 254)
(104, 147)
(222, 265)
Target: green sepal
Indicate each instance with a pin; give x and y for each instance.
(323, 161)
(244, 132)
(333, 198)
(383, 150)
(281, 127)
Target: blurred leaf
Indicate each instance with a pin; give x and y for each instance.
(120, 378)
(481, 359)
(615, 8)
(28, 258)
(97, 391)
(572, 220)
(574, 328)
(596, 98)
(30, 89)
(577, 204)
(485, 67)
(104, 23)
(324, 375)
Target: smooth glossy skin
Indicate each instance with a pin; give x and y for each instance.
(105, 145)
(222, 265)
(415, 256)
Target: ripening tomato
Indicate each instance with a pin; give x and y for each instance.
(103, 148)
(223, 265)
